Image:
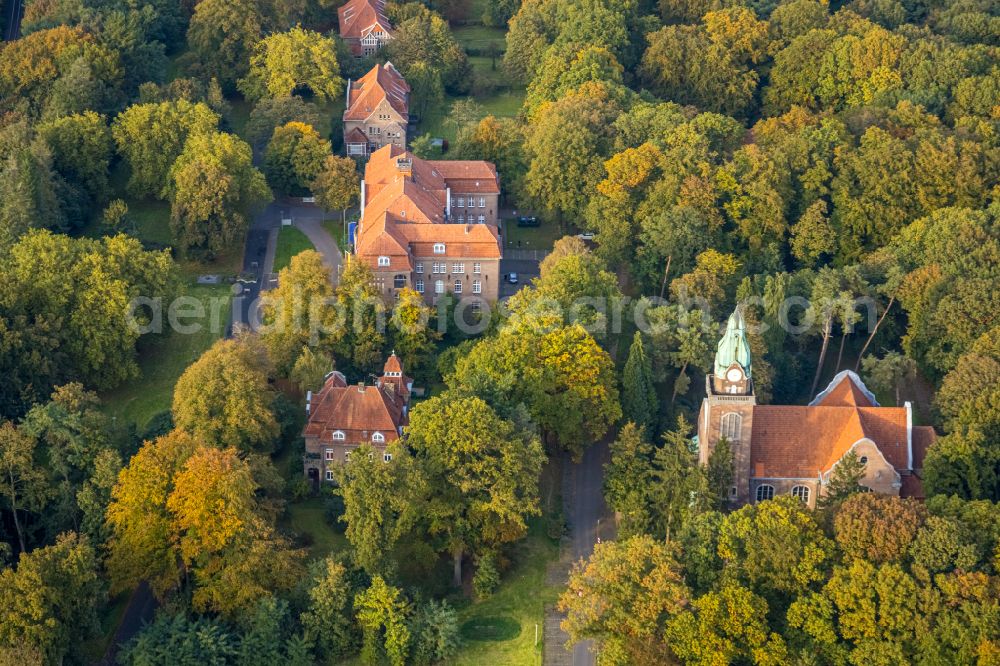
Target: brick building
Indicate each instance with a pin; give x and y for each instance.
(430, 226)
(377, 111)
(788, 449)
(342, 417)
(364, 26)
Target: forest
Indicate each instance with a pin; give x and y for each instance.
(719, 153)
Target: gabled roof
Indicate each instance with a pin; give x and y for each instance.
(357, 18)
(803, 442)
(846, 389)
(405, 202)
(358, 411)
(379, 84)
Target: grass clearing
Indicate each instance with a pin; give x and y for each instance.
(291, 241)
(501, 629)
(164, 356)
(501, 105)
(308, 518)
(477, 37)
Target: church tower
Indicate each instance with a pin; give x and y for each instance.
(727, 410)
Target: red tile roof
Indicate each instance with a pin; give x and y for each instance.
(368, 92)
(359, 411)
(804, 441)
(404, 215)
(357, 18)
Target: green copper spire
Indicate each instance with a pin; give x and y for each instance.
(733, 347)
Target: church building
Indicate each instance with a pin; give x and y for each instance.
(791, 449)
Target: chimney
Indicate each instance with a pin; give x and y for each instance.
(467, 227)
(405, 166)
(309, 399)
(361, 387)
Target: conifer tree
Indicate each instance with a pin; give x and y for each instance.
(638, 393)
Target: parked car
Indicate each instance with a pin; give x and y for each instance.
(586, 236)
(525, 221)
(511, 278)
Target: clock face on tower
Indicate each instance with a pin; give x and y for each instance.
(734, 375)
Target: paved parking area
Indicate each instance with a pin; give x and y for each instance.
(526, 269)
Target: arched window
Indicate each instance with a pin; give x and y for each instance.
(378, 437)
(731, 425)
(438, 286)
(338, 436)
(765, 492)
(802, 493)
(399, 281)
(383, 261)
(438, 248)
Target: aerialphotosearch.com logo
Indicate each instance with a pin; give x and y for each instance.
(313, 317)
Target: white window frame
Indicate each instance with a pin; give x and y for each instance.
(458, 268)
(482, 202)
(339, 436)
(765, 491)
(419, 286)
(419, 268)
(329, 475)
(328, 454)
(439, 286)
(801, 492)
(378, 437)
(482, 219)
(477, 268)
(439, 248)
(460, 202)
(477, 287)
(383, 261)
(458, 286)
(461, 219)
(386, 457)
(730, 426)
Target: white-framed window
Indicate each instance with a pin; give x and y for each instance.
(419, 268)
(460, 202)
(338, 436)
(458, 268)
(765, 492)
(482, 219)
(383, 261)
(477, 268)
(347, 456)
(378, 437)
(477, 287)
(458, 286)
(386, 457)
(328, 454)
(399, 281)
(482, 202)
(440, 267)
(329, 475)
(461, 219)
(439, 286)
(438, 248)
(801, 492)
(476, 307)
(419, 286)
(731, 426)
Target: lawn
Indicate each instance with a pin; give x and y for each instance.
(501, 629)
(308, 517)
(477, 37)
(335, 227)
(164, 356)
(502, 105)
(532, 238)
(291, 241)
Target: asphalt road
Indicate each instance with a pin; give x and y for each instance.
(589, 519)
(14, 16)
(526, 269)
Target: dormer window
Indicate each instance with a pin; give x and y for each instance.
(378, 437)
(438, 248)
(383, 261)
(338, 436)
